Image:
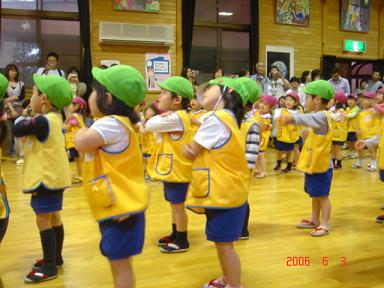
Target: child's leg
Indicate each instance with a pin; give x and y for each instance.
(230, 263)
(372, 151)
(78, 166)
(325, 204)
(58, 228)
(48, 242)
(296, 154)
(123, 274)
(333, 156)
(245, 232)
(338, 156)
(279, 155)
(289, 161)
(359, 162)
(316, 210)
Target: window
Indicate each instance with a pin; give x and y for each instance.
(27, 38)
(221, 37)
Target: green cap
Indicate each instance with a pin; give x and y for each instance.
(252, 88)
(233, 84)
(178, 85)
(3, 86)
(56, 88)
(320, 88)
(124, 82)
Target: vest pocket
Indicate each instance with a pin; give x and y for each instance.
(164, 164)
(100, 193)
(201, 182)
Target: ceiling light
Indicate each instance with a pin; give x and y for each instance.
(223, 13)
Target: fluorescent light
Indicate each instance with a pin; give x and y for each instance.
(224, 13)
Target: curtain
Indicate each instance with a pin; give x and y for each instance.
(188, 17)
(329, 62)
(86, 41)
(254, 36)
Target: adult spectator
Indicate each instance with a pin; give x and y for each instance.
(13, 102)
(316, 75)
(260, 78)
(244, 73)
(362, 87)
(78, 88)
(218, 73)
(339, 83)
(52, 66)
(277, 83)
(305, 79)
(374, 84)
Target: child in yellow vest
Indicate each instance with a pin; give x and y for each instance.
(221, 176)
(379, 99)
(340, 128)
(315, 156)
(368, 126)
(195, 114)
(287, 135)
(46, 169)
(113, 168)
(4, 207)
(264, 119)
(250, 132)
(74, 122)
(167, 163)
(351, 114)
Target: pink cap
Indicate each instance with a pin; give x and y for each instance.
(340, 97)
(370, 95)
(80, 101)
(269, 100)
(294, 95)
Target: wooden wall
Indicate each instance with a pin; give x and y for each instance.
(102, 10)
(323, 35)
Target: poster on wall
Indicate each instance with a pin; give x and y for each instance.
(138, 5)
(282, 58)
(157, 69)
(355, 15)
(292, 12)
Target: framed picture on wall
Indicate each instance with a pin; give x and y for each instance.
(283, 58)
(293, 12)
(138, 5)
(355, 15)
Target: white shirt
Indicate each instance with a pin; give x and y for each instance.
(164, 124)
(113, 133)
(41, 70)
(212, 133)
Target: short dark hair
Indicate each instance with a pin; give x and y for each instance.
(336, 70)
(294, 79)
(377, 71)
(73, 69)
(304, 76)
(315, 73)
(243, 72)
(323, 100)
(184, 101)
(10, 67)
(117, 107)
(53, 54)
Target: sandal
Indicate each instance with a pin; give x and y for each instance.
(76, 180)
(216, 283)
(261, 176)
(318, 232)
(306, 224)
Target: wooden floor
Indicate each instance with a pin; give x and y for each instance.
(277, 202)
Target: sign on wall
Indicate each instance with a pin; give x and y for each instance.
(157, 69)
(138, 5)
(283, 58)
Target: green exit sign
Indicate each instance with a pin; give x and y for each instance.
(354, 46)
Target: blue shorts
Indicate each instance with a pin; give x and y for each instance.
(175, 193)
(352, 137)
(225, 225)
(299, 142)
(146, 155)
(338, 143)
(318, 185)
(44, 200)
(283, 146)
(124, 239)
(73, 153)
(381, 173)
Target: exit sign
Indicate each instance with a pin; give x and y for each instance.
(354, 46)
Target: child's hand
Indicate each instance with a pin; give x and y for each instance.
(305, 133)
(360, 144)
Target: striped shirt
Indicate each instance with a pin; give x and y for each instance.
(252, 144)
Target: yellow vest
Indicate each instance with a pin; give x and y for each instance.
(71, 132)
(196, 115)
(316, 153)
(47, 162)
(368, 124)
(168, 163)
(114, 182)
(352, 122)
(148, 143)
(220, 175)
(287, 133)
(380, 153)
(340, 129)
(244, 128)
(266, 134)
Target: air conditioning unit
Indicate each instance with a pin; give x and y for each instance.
(138, 34)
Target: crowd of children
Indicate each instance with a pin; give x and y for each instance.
(203, 144)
